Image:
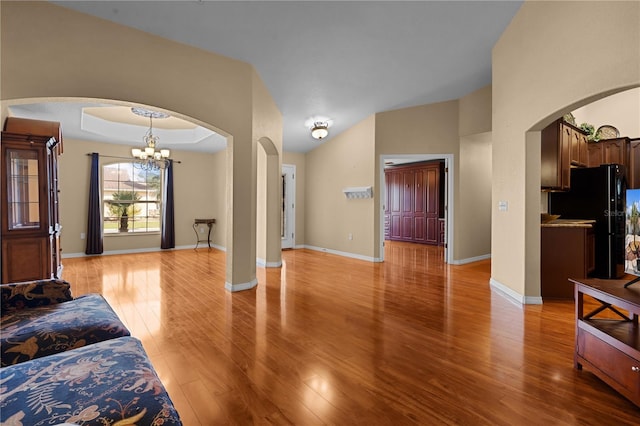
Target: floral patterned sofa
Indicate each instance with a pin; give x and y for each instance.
(106, 383)
(40, 318)
(72, 361)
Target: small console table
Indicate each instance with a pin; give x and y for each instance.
(196, 225)
(608, 337)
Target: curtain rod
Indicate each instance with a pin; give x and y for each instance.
(122, 158)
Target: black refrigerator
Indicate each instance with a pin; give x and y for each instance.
(598, 193)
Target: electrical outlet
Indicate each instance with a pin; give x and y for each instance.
(350, 236)
(83, 235)
(201, 230)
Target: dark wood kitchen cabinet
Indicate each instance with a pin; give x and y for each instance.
(595, 155)
(562, 146)
(634, 164)
(615, 151)
(609, 151)
(565, 252)
(579, 146)
(30, 223)
(623, 151)
(414, 202)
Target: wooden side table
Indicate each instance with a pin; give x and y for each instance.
(609, 345)
(196, 225)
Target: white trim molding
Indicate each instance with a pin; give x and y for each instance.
(513, 295)
(264, 264)
(471, 259)
(139, 250)
(242, 286)
(344, 254)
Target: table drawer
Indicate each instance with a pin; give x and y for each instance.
(615, 364)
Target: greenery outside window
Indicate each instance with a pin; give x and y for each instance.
(131, 198)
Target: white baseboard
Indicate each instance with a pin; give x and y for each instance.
(110, 252)
(513, 295)
(533, 300)
(264, 264)
(140, 250)
(343, 253)
(242, 286)
(470, 259)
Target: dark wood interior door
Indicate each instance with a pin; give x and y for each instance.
(408, 199)
(394, 181)
(420, 207)
(413, 202)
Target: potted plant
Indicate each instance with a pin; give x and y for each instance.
(590, 130)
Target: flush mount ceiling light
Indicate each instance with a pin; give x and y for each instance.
(320, 130)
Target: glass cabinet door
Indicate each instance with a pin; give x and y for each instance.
(23, 195)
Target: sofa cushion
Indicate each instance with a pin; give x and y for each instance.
(31, 294)
(32, 333)
(111, 382)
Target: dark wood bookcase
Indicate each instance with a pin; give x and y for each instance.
(30, 222)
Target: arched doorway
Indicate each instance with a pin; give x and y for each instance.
(268, 249)
(536, 199)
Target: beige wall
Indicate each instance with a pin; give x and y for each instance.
(97, 59)
(621, 110)
(343, 161)
(217, 186)
(261, 207)
(299, 160)
(194, 197)
(531, 86)
(475, 112)
(267, 121)
(473, 211)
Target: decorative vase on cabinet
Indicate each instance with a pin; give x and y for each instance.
(30, 231)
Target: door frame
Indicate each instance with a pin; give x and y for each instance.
(448, 194)
(289, 206)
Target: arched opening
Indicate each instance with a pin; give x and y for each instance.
(200, 179)
(268, 209)
(535, 199)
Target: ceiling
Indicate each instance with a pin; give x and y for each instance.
(321, 60)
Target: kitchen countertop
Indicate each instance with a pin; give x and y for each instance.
(569, 223)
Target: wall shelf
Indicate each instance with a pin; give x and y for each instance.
(358, 192)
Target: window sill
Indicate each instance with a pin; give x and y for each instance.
(129, 234)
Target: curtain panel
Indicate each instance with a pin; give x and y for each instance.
(168, 234)
(94, 221)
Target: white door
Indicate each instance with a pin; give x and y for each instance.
(288, 221)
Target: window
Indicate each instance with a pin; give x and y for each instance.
(131, 198)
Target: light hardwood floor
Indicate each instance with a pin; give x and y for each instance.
(331, 340)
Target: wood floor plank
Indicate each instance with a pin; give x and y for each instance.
(331, 340)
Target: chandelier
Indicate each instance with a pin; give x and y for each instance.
(151, 158)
